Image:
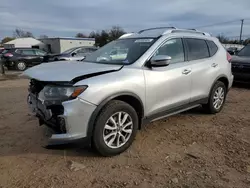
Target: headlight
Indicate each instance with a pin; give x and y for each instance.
(60, 92)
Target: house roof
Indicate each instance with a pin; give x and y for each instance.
(24, 41)
(69, 38)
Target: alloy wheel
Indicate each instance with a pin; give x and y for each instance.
(218, 98)
(118, 130)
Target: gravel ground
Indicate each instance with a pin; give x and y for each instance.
(190, 150)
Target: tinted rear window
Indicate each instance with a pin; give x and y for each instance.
(212, 47)
(197, 49)
(25, 52)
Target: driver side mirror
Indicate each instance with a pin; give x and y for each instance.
(73, 54)
(160, 61)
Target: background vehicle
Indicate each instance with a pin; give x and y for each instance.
(21, 58)
(232, 50)
(77, 53)
(106, 100)
(1, 50)
(241, 65)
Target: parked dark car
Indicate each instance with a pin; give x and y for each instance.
(232, 50)
(1, 50)
(77, 53)
(21, 58)
(241, 65)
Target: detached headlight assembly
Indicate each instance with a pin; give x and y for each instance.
(61, 93)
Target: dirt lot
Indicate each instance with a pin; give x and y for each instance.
(187, 150)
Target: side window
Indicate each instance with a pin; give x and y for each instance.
(19, 51)
(197, 49)
(174, 49)
(212, 47)
(28, 52)
(81, 51)
(92, 49)
(39, 52)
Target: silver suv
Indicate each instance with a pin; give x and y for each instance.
(106, 98)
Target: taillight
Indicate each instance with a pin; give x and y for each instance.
(8, 55)
(229, 57)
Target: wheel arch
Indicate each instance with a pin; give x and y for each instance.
(128, 97)
(223, 78)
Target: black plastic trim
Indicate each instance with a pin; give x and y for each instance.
(147, 120)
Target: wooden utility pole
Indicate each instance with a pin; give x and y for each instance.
(241, 28)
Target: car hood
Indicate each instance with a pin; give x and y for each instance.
(240, 59)
(65, 71)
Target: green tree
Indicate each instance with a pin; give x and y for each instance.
(7, 39)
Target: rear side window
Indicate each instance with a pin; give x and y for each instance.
(4, 51)
(213, 48)
(197, 49)
(26, 52)
(40, 52)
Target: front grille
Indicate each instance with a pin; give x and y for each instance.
(36, 86)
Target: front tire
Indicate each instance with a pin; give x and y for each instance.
(217, 98)
(21, 66)
(115, 128)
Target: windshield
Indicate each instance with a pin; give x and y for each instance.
(245, 51)
(122, 51)
(69, 51)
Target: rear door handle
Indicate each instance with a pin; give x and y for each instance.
(186, 71)
(214, 65)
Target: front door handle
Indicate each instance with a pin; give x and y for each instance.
(186, 71)
(214, 65)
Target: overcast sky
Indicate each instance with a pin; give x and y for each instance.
(68, 17)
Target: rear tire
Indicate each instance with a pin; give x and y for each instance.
(112, 136)
(21, 66)
(217, 98)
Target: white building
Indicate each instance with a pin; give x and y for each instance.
(28, 42)
(238, 46)
(61, 44)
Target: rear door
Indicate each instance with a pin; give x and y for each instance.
(204, 66)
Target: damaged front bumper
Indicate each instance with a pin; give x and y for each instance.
(68, 119)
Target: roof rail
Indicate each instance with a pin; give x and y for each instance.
(154, 28)
(193, 31)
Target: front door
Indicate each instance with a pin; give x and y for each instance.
(39, 56)
(168, 87)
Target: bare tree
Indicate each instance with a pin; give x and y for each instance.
(222, 38)
(19, 33)
(115, 32)
(43, 37)
(81, 35)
